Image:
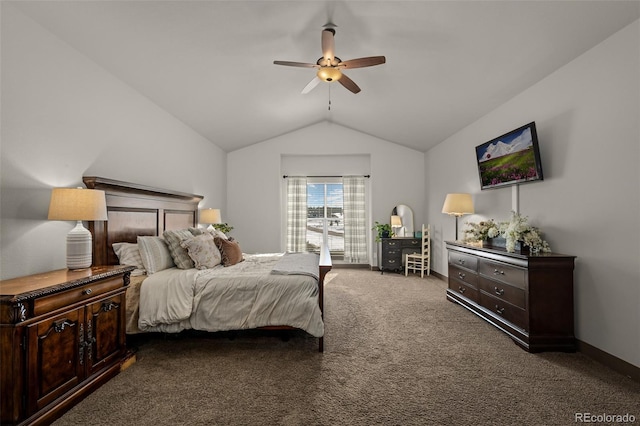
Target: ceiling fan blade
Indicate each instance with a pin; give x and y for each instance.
(296, 64)
(349, 84)
(328, 46)
(363, 62)
(312, 84)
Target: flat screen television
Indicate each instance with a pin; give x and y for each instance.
(510, 159)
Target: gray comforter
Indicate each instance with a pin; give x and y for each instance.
(243, 296)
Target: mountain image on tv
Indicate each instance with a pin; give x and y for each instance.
(508, 160)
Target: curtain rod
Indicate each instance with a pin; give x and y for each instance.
(286, 176)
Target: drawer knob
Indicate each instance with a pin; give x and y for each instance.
(499, 310)
(496, 272)
(461, 289)
(86, 291)
(498, 291)
(461, 275)
(461, 261)
(391, 261)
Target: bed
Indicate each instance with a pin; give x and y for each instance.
(259, 291)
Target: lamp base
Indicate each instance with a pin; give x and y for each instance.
(79, 248)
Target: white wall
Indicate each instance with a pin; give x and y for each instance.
(587, 116)
(64, 117)
(254, 177)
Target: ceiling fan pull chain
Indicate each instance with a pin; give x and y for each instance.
(329, 98)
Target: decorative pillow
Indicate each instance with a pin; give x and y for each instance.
(230, 249)
(197, 231)
(178, 253)
(214, 232)
(203, 250)
(155, 254)
(129, 254)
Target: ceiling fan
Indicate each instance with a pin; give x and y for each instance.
(330, 67)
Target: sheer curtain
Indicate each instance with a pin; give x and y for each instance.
(355, 227)
(296, 214)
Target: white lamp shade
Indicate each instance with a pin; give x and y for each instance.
(458, 204)
(396, 221)
(210, 216)
(77, 204)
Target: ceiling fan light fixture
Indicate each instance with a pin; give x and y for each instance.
(329, 74)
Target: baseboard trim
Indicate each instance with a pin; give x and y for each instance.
(432, 272)
(613, 362)
(440, 276)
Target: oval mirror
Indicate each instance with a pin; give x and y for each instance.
(405, 226)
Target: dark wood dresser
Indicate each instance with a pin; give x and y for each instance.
(390, 257)
(529, 297)
(62, 336)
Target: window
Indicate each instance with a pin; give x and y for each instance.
(329, 211)
(325, 216)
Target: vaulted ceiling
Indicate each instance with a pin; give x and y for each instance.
(210, 63)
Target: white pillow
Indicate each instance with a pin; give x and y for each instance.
(213, 231)
(203, 251)
(218, 233)
(129, 254)
(155, 254)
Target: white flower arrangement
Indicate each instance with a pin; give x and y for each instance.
(516, 229)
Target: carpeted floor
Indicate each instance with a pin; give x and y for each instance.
(396, 353)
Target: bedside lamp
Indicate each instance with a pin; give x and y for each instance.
(210, 216)
(78, 204)
(458, 205)
(396, 222)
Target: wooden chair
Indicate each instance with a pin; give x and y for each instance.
(420, 261)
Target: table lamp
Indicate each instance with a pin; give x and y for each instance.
(210, 216)
(458, 205)
(396, 222)
(78, 204)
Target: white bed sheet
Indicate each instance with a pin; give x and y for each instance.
(243, 296)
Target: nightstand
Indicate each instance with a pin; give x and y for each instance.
(62, 336)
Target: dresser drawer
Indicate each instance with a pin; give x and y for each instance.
(390, 244)
(467, 277)
(505, 273)
(513, 314)
(393, 253)
(58, 300)
(412, 243)
(463, 260)
(508, 293)
(463, 289)
(394, 263)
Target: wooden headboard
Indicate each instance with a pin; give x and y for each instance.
(134, 210)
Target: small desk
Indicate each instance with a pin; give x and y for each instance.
(392, 251)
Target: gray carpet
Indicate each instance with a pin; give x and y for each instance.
(396, 353)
